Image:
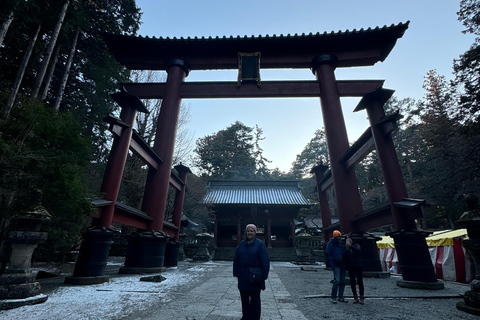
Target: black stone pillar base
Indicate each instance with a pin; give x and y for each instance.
(92, 258)
(145, 253)
(172, 251)
(414, 259)
(372, 267)
(420, 285)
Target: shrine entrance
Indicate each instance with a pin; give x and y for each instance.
(322, 53)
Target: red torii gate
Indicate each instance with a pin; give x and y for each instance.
(322, 53)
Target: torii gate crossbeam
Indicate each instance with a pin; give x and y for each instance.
(268, 89)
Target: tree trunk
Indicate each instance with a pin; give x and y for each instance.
(48, 54)
(5, 26)
(68, 65)
(20, 73)
(50, 72)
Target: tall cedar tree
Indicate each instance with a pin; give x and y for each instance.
(230, 154)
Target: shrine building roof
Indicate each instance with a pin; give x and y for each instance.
(363, 47)
(258, 192)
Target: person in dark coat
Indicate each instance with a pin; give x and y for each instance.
(251, 253)
(335, 249)
(355, 271)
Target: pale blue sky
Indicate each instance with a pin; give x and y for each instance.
(432, 41)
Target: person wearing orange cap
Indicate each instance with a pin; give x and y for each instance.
(335, 249)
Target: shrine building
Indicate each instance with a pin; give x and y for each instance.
(271, 205)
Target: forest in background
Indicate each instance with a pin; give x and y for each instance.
(56, 77)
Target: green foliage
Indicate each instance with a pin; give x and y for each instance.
(231, 154)
(467, 67)
(315, 153)
(94, 75)
(43, 149)
(451, 167)
(63, 154)
(469, 15)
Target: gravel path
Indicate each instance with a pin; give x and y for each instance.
(310, 291)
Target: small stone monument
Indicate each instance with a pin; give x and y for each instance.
(470, 220)
(17, 283)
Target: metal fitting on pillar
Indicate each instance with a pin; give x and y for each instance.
(180, 63)
(321, 59)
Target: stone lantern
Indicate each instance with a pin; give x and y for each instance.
(471, 221)
(181, 252)
(303, 248)
(202, 241)
(17, 282)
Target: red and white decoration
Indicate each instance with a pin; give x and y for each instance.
(449, 258)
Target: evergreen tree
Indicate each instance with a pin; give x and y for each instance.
(314, 153)
(230, 154)
(467, 67)
(41, 148)
(260, 161)
(448, 170)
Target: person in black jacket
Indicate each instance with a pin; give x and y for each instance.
(251, 266)
(355, 271)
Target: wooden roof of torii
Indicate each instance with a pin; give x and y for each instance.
(352, 48)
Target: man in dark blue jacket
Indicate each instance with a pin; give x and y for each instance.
(251, 254)
(335, 249)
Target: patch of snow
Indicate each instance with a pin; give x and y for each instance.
(118, 298)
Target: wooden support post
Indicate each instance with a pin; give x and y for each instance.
(392, 173)
(112, 177)
(323, 199)
(179, 199)
(412, 250)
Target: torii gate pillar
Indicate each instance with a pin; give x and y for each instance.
(152, 243)
(344, 181)
(156, 190)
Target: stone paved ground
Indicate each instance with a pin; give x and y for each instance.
(207, 291)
